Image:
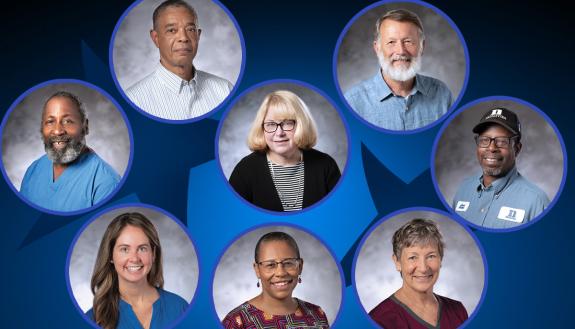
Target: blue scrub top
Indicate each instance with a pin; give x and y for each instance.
(168, 308)
(84, 183)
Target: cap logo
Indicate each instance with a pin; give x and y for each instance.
(497, 113)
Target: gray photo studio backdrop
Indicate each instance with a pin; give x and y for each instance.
(235, 280)
(443, 55)
(462, 270)
(135, 56)
(22, 141)
(180, 261)
(332, 136)
(540, 159)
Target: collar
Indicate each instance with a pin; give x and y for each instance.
(383, 91)
(499, 184)
(172, 81)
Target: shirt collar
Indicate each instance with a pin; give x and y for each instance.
(383, 91)
(499, 184)
(172, 81)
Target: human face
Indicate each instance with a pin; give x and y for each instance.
(419, 267)
(279, 283)
(399, 49)
(280, 143)
(63, 131)
(177, 36)
(497, 162)
(133, 256)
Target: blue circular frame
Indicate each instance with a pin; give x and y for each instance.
(118, 108)
(467, 107)
(301, 84)
(96, 217)
(446, 215)
(359, 117)
(185, 121)
(294, 226)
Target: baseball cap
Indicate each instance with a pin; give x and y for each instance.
(501, 116)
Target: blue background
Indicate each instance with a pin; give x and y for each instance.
(516, 49)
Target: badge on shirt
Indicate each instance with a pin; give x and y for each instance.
(512, 214)
(462, 206)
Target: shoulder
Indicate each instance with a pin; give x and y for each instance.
(234, 318)
(529, 189)
(102, 168)
(449, 302)
(315, 155)
(252, 159)
(41, 161)
(386, 306)
(453, 307)
(388, 314)
(146, 84)
(360, 89)
(172, 299)
(432, 82)
(213, 80)
(311, 308)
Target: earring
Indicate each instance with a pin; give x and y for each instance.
(299, 279)
(258, 285)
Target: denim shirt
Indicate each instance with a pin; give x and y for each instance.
(510, 201)
(374, 101)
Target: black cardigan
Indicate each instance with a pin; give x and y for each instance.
(253, 181)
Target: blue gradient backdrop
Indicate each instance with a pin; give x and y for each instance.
(516, 49)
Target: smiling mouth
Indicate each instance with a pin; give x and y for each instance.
(281, 284)
(134, 268)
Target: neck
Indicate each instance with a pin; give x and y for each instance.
(136, 293)
(275, 306)
(415, 297)
(186, 72)
(287, 159)
(401, 88)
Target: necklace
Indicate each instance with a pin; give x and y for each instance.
(290, 190)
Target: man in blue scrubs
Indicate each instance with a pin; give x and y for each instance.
(397, 97)
(500, 197)
(70, 176)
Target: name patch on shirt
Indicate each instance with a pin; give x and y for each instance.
(511, 214)
(462, 206)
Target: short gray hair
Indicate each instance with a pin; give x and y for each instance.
(399, 15)
(172, 3)
(71, 97)
(417, 232)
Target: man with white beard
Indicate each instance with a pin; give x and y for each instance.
(397, 97)
(498, 197)
(70, 176)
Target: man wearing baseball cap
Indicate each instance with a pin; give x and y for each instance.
(500, 197)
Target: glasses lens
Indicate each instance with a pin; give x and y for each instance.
(288, 125)
(269, 265)
(270, 127)
(483, 141)
(501, 142)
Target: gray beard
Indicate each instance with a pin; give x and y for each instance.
(68, 154)
(399, 74)
(495, 172)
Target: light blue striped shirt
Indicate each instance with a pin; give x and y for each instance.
(165, 95)
(375, 102)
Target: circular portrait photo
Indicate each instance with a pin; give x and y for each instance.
(276, 275)
(498, 163)
(418, 268)
(133, 266)
(401, 66)
(66, 146)
(176, 59)
(282, 146)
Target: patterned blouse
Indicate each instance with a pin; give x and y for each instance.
(247, 316)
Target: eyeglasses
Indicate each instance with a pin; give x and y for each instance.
(288, 264)
(271, 126)
(500, 142)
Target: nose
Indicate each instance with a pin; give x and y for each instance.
(422, 264)
(399, 48)
(183, 35)
(492, 147)
(58, 129)
(280, 271)
(280, 131)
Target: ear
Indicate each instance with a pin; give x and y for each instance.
(422, 47)
(397, 263)
(154, 37)
(199, 34)
(375, 47)
(301, 267)
(257, 270)
(86, 128)
(517, 148)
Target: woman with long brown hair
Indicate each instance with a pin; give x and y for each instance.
(127, 280)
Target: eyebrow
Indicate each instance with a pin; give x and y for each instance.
(127, 245)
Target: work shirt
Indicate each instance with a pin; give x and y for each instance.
(510, 201)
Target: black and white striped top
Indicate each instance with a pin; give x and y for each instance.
(165, 95)
(289, 184)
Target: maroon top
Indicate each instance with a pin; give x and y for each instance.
(393, 314)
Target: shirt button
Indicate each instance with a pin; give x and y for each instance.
(483, 209)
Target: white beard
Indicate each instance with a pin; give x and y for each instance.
(399, 73)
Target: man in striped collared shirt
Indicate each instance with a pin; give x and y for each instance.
(176, 90)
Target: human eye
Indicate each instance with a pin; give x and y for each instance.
(269, 265)
(123, 250)
(502, 141)
(67, 121)
(192, 29)
(143, 249)
(270, 125)
(171, 30)
(408, 42)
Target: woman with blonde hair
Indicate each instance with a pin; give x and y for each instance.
(284, 172)
(128, 279)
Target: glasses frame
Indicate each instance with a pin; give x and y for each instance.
(494, 140)
(281, 124)
(276, 264)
